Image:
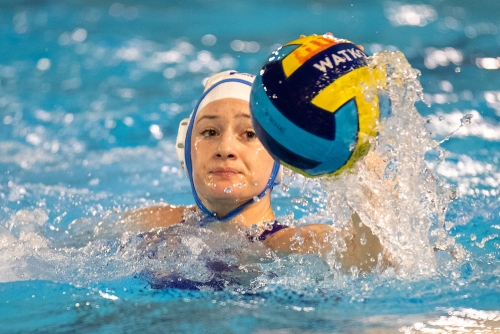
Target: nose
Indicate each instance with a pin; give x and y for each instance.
(226, 148)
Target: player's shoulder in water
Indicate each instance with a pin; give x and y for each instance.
(156, 216)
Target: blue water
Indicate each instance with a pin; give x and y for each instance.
(91, 94)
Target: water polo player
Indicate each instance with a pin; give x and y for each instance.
(232, 176)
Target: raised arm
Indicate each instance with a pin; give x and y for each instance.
(355, 247)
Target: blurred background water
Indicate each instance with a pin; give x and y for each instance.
(91, 94)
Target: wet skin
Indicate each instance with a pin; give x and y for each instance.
(226, 154)
(230, 165)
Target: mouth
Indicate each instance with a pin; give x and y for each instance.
(225, 172)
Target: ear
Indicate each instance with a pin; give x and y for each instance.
(180, 143)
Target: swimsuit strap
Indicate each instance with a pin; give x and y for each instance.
(275, 227)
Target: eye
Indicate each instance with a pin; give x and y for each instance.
(250, 135)
(207, 133)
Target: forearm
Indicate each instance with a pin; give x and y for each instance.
(362, 246)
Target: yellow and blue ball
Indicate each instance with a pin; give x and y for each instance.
(310, 107)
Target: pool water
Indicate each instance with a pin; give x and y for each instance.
(91, 94)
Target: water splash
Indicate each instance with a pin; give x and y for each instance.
(210, 261)
(393, 190)
(402, 201)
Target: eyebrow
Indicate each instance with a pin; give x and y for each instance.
(217, 116)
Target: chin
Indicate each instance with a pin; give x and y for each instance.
(235, 196)
(225, 193)
(234, 190)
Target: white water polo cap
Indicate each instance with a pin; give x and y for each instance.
(228, 84)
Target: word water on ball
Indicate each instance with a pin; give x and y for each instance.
(314, 105)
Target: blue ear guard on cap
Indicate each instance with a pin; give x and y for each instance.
(183, 147)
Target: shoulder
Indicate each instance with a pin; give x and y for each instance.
(308, 239)
(156, 216)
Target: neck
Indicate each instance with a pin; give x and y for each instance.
(254, 214)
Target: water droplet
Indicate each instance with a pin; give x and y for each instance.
(362, 240)
(354, 271)
(457, 70)
(256, 199)
(473, 237)
(228, 190)
(466, 119)
(255, 183)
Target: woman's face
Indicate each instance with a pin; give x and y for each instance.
(229, 163)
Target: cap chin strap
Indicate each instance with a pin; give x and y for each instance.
(212, 216)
